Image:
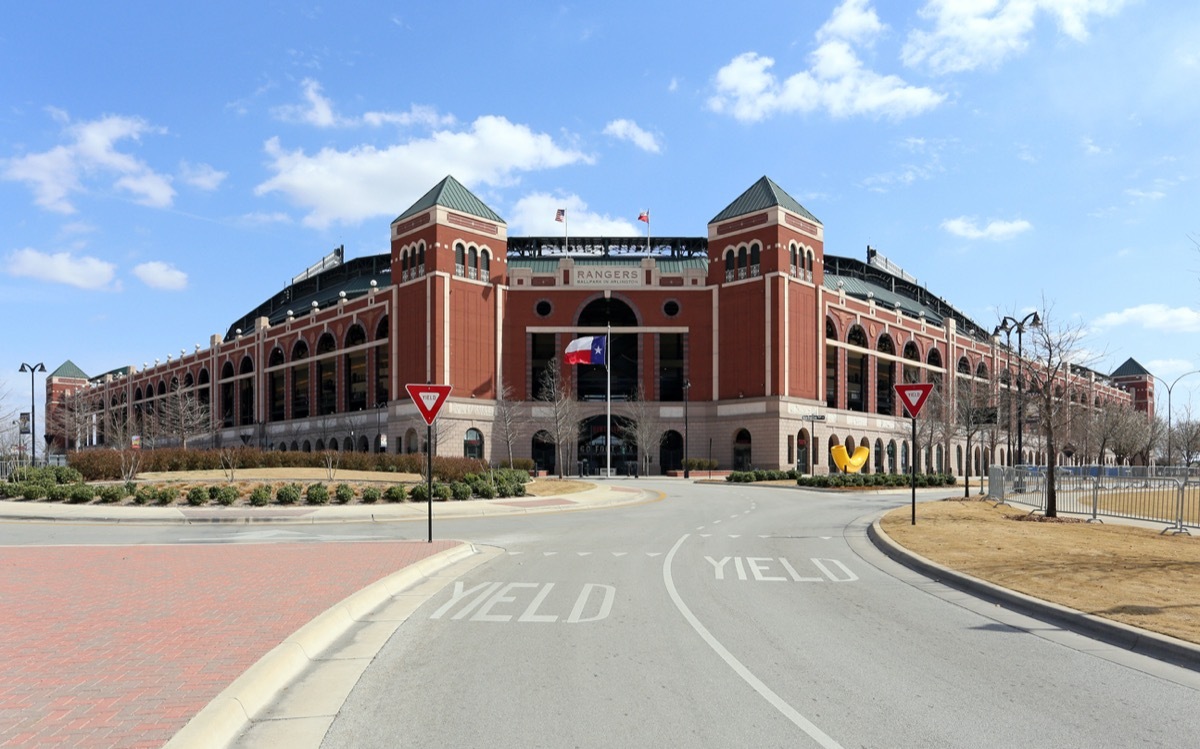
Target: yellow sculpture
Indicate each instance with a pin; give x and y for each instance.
(847, 463)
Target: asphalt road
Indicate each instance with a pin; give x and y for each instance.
(738, 616)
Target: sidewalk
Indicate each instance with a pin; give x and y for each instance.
(129, 646)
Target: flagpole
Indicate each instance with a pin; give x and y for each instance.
(566, 234)
(608, 404)
(647, 232)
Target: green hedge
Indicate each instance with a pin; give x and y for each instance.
(836, 480)
(101, 464)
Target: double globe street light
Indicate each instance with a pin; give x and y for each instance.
(1006, 326)
(32, 369)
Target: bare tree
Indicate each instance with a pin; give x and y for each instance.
(504, 423)
(644, 429)
(1055, 347)
(555, 389)
(971, 399)
(121, 434)
(182, 416)
(1186, 437)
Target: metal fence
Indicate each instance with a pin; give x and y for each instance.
(1156, 494)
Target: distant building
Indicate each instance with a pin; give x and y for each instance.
(748, 342)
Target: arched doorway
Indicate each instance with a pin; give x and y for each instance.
(592, 450)
(542, 451)
(803, 453)
(742, 458)
(670, 452)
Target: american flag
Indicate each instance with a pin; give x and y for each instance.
(644, 216)
(561, 215)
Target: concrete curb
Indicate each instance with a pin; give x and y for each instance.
(230, 712)
(1143, 642)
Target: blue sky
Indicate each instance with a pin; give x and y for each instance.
(163, 169)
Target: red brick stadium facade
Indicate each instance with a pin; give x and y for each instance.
(749, 344)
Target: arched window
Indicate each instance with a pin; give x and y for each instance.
(934, 359)
(912, 372)
(754, 259)
(226, 394)
(741, 263)
(730, 265)
(326, 376)
(246, 392)
(831, 365)
(300, 380)
(460, 259)
(355, 369)
(857, 369)
(485, 266)
(964, 366)
(473, 263)
(421, 259)
(885, 375)
(382, 364)
(473, 444)
(276, 393)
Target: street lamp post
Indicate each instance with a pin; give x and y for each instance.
(1169, 388)
(687, 392)
(1008, 395)
(1007, 324)
(32, 369)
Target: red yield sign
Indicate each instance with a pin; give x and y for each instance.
(429, 399)
(913, 396)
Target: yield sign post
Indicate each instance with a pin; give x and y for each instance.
(429, 400)
(913, 395)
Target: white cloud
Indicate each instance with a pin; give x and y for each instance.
(56, 174)
(853, 21)
(969, 34)
(318, 110)
(1141, 195)
(364, 182)
(1091, 149)
(836, 82)
(1154, 317)
(160, 275)
(534, 215)
(629, 130)
(201, 176)
(259, 218)
(61, 267)
(966, 227)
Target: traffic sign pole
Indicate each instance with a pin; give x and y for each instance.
(914, 472)
(913, 396)
(429, 400)
(429, 475)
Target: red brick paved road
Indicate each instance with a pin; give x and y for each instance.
(105, 646)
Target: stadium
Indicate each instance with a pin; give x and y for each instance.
(747, 347)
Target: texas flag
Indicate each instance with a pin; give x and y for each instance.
(590, 349)
(644, 216)
(561, 215)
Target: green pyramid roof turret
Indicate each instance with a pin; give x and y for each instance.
(69, 370)
(761, 195)
(450, 193)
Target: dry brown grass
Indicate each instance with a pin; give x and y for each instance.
(1129, 574)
